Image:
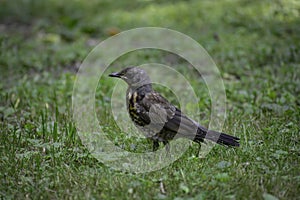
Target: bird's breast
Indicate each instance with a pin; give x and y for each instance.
(133, 108)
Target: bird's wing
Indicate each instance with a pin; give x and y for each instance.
(157, 108)
(162, 111)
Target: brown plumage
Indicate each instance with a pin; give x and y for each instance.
(158, 118)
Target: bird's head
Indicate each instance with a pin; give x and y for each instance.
(133, 76)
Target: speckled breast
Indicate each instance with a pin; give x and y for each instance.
(132, 101)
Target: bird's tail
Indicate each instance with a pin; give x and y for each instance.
(219, 138)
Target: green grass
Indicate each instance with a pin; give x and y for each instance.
(255, 44)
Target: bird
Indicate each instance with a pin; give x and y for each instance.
(160, 120)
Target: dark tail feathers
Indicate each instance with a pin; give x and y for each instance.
(219, 138)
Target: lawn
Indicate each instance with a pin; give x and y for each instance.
(256, 46)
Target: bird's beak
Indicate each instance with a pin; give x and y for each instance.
(115, 74)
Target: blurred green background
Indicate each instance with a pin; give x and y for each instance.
(255, 44)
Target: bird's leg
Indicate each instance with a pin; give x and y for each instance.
(155, 145)
(199, 149)
(166, 143)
